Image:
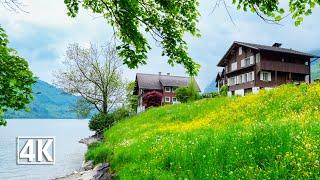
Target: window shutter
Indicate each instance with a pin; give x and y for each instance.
(242, 63)
(258, 58)
(244, 78)
(269, 76)
(252, 74)
(251, 59)
(261, 76)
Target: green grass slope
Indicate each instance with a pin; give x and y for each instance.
(273, 134)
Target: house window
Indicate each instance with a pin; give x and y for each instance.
(250, 76)
(174, 99)
(240, 50)
(258, 58)
(247, 62)
(174, 89)
(232, 81)
(239, 79)
(245, 77)
(166, 99)
(234, 66)
(167, 89)
(265, 76)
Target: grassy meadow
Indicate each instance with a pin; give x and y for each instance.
(274, 134)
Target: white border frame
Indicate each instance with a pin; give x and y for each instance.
(36, 137)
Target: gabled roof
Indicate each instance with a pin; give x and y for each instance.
(148, 81)
(156, 81)
(218, 76)
(260, 47)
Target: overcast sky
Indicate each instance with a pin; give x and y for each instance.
(42, 35)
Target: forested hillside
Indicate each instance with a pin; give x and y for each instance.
(49, 102)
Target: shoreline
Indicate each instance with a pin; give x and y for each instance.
(87, 170)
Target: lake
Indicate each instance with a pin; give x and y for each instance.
(69, 152)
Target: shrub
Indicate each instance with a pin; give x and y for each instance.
(189, 93)
(224, 90)
(182, 94)
(101, 121)
(210, 95)
(120, 114)
(152, 99)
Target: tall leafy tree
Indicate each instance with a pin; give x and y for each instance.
(15, 79)
(95, 74)
(167, 21)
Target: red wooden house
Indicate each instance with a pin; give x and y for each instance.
(165, 84)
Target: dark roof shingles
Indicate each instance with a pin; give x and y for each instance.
(275, 49)
(155, 81)
(267, 48)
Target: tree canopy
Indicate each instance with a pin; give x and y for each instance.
(167, 21)
(15, 79)
(271, 10)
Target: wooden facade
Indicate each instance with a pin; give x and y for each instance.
(250, 67)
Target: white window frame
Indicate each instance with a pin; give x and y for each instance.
(258, 57)
(247, 62)
(231, 81)
(242, 63)
(174, 101)
(239, 79)
(234, 66)
(265, 78)
(240, 50)
(166, 90)
(245, 77)
(249, 76)
(165, 99)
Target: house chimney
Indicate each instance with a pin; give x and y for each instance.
(277, 45)
(159, 73)
(168, 74)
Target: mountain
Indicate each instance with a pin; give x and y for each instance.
(49, 103)
(211, 87)
(315, 66)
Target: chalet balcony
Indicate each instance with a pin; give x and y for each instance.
(283, 67)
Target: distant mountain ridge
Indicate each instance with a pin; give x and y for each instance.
(211, 87)
(315, 66)
(49, 102)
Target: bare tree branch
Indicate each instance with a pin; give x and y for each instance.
(95, 74)
(13, 5)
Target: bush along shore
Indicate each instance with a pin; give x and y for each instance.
(88, 170)
(272, 134)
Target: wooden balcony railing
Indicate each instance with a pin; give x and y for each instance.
(283, 67)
